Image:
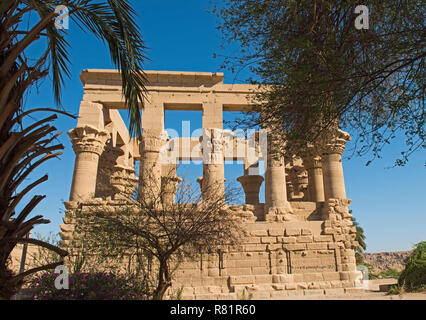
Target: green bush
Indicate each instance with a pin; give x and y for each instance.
(413, 277)
(390, 273)
(395, 290)
(88, 286)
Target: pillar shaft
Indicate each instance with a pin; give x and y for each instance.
(123, 182)
(277, 207)
(276, 182)
(334, 184)
(169, 188)
(88, 144)
(315, 179)
(298, 181)
(150, 168)
(106, 169)
(213, 186)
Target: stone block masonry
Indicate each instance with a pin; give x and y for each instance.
(299, 242)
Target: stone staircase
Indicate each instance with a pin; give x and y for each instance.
(267, 287)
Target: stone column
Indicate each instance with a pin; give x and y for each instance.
(150, 167)
(333, 148)
(315, 179)
(251, 185)
(169, 187)
(107, 163)
(169, 182)
(123, 182)
(299, 182)
(88, 144)
(277, 207)
(213, 186)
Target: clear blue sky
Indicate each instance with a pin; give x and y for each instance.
(388, 203)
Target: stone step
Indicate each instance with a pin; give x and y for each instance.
(276, 295)
(270, 290)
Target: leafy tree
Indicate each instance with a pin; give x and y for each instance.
(413, 277)
(155, 235)
(25, 144)
(88, 286)
(317, 68)
(390, 273)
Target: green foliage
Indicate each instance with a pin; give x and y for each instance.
(246, 295)
(413, 277)
(154, 236)
(396, 289)
(319, 68)
(44, 256)
(26, 143)
(177, 295)
(360, 238)
(89, 286)
(389, 273)
(76, 263)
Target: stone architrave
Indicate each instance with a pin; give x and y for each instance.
(332, 150)
(88, 144)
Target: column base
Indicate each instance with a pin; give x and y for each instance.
(280, 214)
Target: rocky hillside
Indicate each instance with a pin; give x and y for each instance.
(385, 260)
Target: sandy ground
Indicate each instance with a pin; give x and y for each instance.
(370, 296)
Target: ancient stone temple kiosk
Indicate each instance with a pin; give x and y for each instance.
(300, 241)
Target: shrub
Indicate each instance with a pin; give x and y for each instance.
(88, 286)
(395, 290)
(413, 277)
(390, 273)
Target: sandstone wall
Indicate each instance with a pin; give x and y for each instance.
(312, 255)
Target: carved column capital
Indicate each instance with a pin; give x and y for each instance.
(334, 142)
(169, 185)
(312, 162)
(212, 145)
(251, 185)
(88, 139)
(109, 156)
(150, 144)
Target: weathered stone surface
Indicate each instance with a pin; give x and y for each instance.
(292, 248)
